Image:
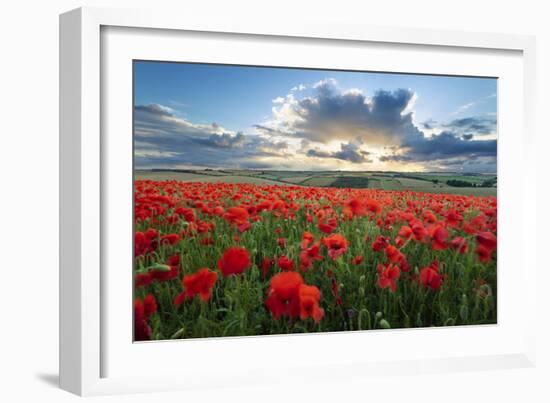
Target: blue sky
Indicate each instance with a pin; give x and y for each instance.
(256, 117)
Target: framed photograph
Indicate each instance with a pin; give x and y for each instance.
(247, 199)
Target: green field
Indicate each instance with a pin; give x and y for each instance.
(418, 182)
(199, 177)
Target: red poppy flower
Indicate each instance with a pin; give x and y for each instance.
(310, 296)
(187, 213)
(430, 277)
(357, 207)
(265, 266)
(145, 242)
(141, 244)
(357, 260)
(218, 211)
(143, 279)
(336, 244)
(439, 238)
(373, 206)
(234, 261)
(312, 253)
(307, 239)
(142, 330)
(429, 217)
(170, 239)
(460, 244)
(420, 232)
(394, 255)
(283, 294)
(285, 263)
(453, 218)
(387, 276)
(329, 226)
(379, 243)
(236, 215)
(405, 232)
(149, 305)
(244, 226)
(151, 233)
(199, 283)
(142, 312)
(487, 239)
(483, 254)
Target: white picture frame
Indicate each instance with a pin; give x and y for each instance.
(86, 193)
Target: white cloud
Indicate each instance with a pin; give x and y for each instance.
(409, 108)
(151, 153)
(463, 108)
(327, 82)
(352, 91)
(299, 87)
(470, 105)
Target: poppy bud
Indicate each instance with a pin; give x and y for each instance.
(178, 334)
(379, 315)
(384, 324)
(159, 267)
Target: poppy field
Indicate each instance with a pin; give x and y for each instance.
(237, 259)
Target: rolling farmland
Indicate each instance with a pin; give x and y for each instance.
(418, 182)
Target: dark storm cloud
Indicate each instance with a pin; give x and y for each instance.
(162, 139)
(429, 124)
(270, 131)
(448, 144)
(442, 146)
(476, 124)
(224, 140)
(154, 109)
(471, 164)
(350, 152)
(396, 157)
